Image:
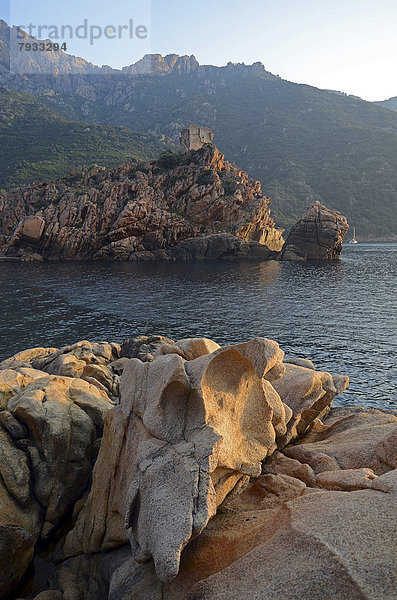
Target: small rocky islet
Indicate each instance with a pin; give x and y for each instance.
(184, 470)
(186, 205)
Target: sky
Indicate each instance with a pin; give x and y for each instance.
(346, 45)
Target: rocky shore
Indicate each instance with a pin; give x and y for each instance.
(156, 469)
(188, 205)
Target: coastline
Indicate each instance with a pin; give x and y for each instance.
(272, 255)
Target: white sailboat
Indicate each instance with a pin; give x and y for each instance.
(353, 240)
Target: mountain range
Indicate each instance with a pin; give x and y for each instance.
(302, 143)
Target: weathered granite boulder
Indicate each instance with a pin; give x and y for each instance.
(50, 427)
(179, 455)
(317, 235)
(193, 426)
(92, 362)
(288, 534)
(317, 545)
(309, 394)
(143, 346)
(13, 380)
(189, 348)
(26, 358)
(197, 491)
(63, 416)
(351, 438)
(31, 229)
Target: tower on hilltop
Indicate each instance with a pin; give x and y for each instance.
(194, 137)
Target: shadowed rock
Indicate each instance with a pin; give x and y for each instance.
(49, 430)
(317, 235)
(62, 416)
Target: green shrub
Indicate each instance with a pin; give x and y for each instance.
(229, 186)
(169, 159)
(205, 177)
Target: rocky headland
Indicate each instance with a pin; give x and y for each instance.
(156, 469)
(180, 206)
(188, 206)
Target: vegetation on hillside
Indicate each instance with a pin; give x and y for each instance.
(391, 103)
(37, 143)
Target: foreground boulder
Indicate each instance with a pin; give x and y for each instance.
(63, 417)
(290, 533)
(223, 473)
(317, 235)
(20, 512)
(193, 426)
(50, 426)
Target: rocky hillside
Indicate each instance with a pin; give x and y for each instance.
(36, 142)
(142, 210)
(303, 144)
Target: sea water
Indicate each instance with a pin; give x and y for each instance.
(342, 315)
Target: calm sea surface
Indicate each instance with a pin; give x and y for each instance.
(342, 315)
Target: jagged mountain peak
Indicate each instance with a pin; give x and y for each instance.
(155, 64)
(66, 64)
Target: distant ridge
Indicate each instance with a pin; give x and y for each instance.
(391, 103)
(64, 64)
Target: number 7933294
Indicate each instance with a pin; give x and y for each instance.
(41, 46)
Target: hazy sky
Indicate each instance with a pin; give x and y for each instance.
(348, 45)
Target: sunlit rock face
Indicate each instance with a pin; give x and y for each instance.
(317, 235)
(193, 427)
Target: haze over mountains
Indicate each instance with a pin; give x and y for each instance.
(302, 143)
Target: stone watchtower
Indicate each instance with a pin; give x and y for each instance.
(194, 137)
